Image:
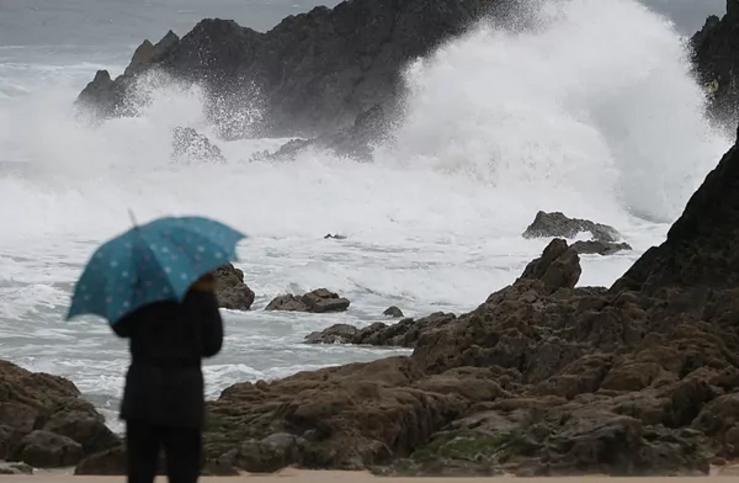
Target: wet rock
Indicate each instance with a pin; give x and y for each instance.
(542, 378)
(231, 291)
(556, 224)
(43, 449)
(15, 469)
(147, 54)
(330, 236)
(558, 267)
(599, 247)
(393, 312)
(317, 301)
(109, 462)
(336, 334)
(269, 454)
(80, 422)
(189, 146)
(314, 73)
(715, 65)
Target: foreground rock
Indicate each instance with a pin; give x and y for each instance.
(44, 422)
(231, 291)
(716, 64)
(542, 378)
(189, 146)
(317, 301)
(312, 74)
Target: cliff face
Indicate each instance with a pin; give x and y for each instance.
(716, 59)
(312, 73)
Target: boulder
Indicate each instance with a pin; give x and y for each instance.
(595, 247)
(269, 454)
(558, 267)
(393, 312)
(336, 334)
(109, 462)
(189, 146)
(556, 224)
(43, 449)
(80, 422)
(231, 291)
(317, 301)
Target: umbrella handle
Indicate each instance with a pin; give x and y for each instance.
(133, 218)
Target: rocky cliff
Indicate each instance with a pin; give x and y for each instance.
(313, 73)
(715, 59)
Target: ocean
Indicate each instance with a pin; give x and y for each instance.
(592, 111)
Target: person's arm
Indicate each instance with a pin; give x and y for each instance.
(122, 328)
(210, 322)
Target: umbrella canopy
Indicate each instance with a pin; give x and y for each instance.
(151, 263)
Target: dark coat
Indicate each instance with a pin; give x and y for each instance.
(164, 385)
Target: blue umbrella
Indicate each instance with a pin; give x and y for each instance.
(151, 263)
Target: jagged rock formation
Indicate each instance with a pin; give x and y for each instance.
(715, 61)
(189, 146)
(542, 378)
(556, 224)
(313, 73)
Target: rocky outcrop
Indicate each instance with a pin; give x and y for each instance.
(595, 247)
(318, 301)
(402, 334)
(393, 312)
(189, 146)
(716, 64)
(541, 379)
(44, 422)
(313, 73)
(556, 224)
(231, 291)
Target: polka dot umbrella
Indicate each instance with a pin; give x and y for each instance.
(151, 263)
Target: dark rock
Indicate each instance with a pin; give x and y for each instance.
(540, 379)
(317, 301)
(313, 73)
(393, 312)
(336, 334)
(189, 146)
(558, 267)
(110, 462)
(716, 65)
(8, 440)
(231, 291)
(556, 224)
(43, 449)
(599, 247)
(80, 422)
(330, 236)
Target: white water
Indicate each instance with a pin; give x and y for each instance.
(590, 110)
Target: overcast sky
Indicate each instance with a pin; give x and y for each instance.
(688, 15)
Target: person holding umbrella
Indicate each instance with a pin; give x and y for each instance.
(155, 287)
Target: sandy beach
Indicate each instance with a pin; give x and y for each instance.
(730, 473)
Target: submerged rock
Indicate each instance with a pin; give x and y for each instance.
(336, 334)
(556, 224)
(317, 301)
(599, 247)
(189, 146)
(231, 291)
(393, 312)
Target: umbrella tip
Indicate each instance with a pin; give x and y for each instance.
(133, 218)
